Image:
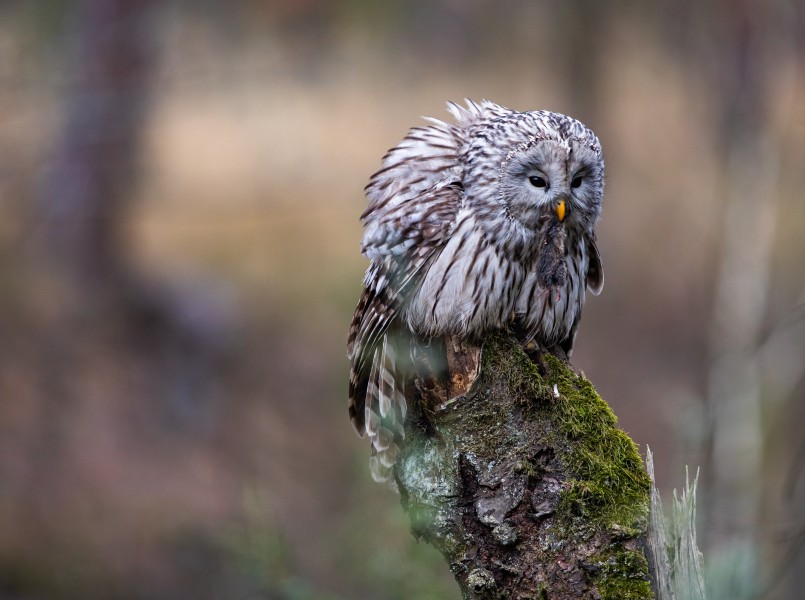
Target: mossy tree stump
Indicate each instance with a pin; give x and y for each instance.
(524, 483)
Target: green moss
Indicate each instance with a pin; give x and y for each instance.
(609, 485)
(527, 468)
(623, 575)
(503, 357)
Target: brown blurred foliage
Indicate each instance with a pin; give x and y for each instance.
(179, 190)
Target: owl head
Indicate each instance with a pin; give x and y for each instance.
(542, 165)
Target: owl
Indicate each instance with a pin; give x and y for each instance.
(471, 227)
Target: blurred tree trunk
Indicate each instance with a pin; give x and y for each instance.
(519, 476)
(91, 180)
(750, 205)
(77, 225)
(582, 38)
(169, 340)
(92, 174)
(743, 49)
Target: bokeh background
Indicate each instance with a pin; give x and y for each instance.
(180, 185)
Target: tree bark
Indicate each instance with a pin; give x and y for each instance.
(517, 474)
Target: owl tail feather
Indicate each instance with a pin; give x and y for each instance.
(385, 409)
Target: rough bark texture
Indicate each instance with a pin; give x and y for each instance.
(523, 481)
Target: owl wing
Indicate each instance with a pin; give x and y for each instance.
(595, 268)
(595, 283)
(413, 203)
(425, 159)
(401, 239)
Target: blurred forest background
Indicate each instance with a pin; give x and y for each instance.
(180, 185)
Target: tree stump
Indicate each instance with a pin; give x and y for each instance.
(519, 476)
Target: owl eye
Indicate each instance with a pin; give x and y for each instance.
(538, 181)
(576, 182)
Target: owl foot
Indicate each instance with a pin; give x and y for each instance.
(429, 364)
(537, 355)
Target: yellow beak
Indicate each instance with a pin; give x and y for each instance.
(560, 210)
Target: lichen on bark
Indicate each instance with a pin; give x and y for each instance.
(524, 482)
